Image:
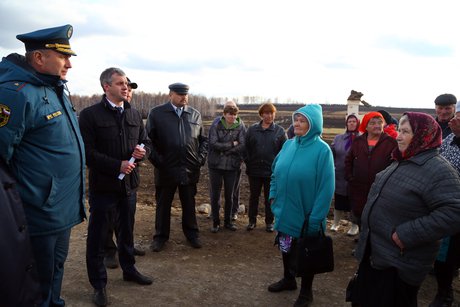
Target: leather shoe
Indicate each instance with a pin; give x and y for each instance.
(138, 252)
(100, 297)
(283, 284)
(231, 226)
(250, 226)
(110, 261)
(215, 229)
(137, 278)
(304, 300)
(269, 228)
(157, 245)
(195, 243)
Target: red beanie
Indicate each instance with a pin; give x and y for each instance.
(367, 118)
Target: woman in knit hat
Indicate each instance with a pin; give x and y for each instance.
(340, 147)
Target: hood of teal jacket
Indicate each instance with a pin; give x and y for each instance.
(314, 115)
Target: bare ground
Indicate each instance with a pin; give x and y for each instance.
(232, 268)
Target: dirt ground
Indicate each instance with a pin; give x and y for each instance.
(232, 268)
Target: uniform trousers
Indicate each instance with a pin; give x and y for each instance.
(50, 252)
(163, 211)
(104, 206)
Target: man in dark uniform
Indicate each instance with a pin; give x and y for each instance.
(40, 141)
(113, 132)
(445, 111)
(179, 149)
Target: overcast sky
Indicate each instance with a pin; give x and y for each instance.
(397, 53)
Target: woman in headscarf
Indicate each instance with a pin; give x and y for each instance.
(412, 204)
(301, 187)
(340, 147)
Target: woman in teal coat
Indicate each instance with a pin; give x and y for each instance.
(302, 187)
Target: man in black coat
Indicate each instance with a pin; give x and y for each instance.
(179, 149)
(113, 133)
(18, 276)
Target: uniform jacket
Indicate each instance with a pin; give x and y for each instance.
(179, 145)
(361, 166)
(262, 146)
(40, 140)
(419, 198)
(19, 284)
(223, 154)
(109, 141)
(302, 182)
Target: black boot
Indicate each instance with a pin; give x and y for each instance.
(282, 285)
(306, 293)
(288, 282)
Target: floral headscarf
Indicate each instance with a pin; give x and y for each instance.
(427, 135)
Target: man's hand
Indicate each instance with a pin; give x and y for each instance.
(395, 239)
(138, 152)
(127, 167)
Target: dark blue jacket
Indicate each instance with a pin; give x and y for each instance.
(109, 141)
(40, 141)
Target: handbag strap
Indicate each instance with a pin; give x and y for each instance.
(305, 225)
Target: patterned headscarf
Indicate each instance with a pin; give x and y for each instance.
(427, 135)
(350, 135)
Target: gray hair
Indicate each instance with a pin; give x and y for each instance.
(404, 119)
(106, 75)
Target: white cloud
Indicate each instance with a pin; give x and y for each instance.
(398, 53)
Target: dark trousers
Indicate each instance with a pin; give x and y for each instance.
(50, 252)
(236, 192)
(289, 271)
(102, 208)
(163, 211)
(255, 187)
(216, 177)
(110, 246)
(382, 288)
(445, 271)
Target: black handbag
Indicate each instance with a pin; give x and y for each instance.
(315, 254)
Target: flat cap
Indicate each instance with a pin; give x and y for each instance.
(445, 100)
(51, 38)
(179, 88)
(131, 84)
